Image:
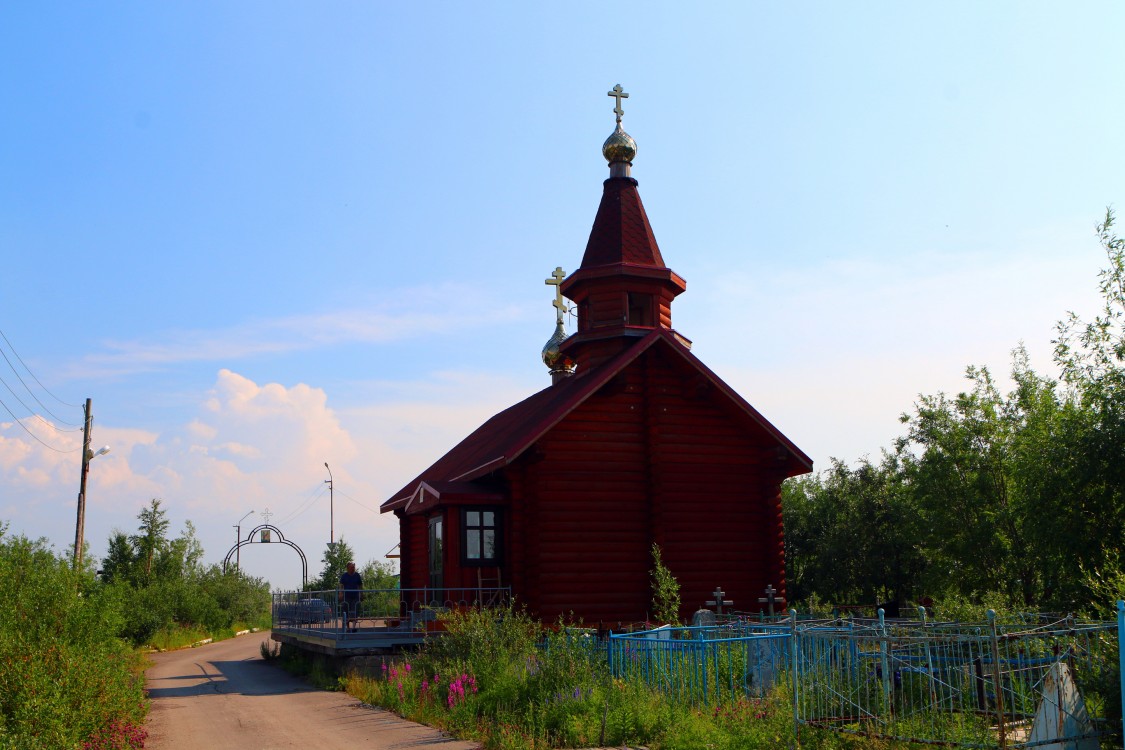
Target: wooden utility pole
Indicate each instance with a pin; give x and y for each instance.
(80, 524)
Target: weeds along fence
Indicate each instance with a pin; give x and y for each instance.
(703, 666)
(976, 686)
(985, 685)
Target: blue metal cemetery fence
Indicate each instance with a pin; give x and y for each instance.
(976, 686)
(703, 665)
(1053, 683)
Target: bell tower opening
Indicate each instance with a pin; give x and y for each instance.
(640, 310)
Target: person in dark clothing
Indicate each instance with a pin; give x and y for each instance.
(351, 584)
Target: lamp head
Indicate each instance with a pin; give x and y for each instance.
(91, 455)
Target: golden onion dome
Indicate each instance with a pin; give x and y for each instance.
(619, 147)
(556, 361)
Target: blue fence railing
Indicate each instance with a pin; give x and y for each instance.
(703, 665)
(1033, 682)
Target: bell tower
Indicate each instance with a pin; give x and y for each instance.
(622, 290)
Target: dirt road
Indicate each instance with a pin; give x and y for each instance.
(223, 696)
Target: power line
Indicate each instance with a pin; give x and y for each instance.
(32, 374)
(28, 408)
(357, 502)
(37, 438)
(317, 494)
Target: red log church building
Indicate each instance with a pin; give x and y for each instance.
(635, 442)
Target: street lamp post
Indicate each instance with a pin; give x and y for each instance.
(87, 456)
(238, 541)
(331, 509)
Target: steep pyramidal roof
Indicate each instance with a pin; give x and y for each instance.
(621, 231)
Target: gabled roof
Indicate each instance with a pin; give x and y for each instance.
(504, 437)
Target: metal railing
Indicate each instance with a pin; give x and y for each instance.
(980, 685)
(377, 609)
(706, 665)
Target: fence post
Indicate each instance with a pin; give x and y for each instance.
(1121, 656)
(609, 653)
(929, 659)
(997, 683)
(883, 661)
(796, 678)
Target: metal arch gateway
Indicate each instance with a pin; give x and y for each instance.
(262, 531)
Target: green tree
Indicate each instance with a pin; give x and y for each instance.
(665, 591)
(180, 558)
(851, 536)
(377, 574)
(120, 561)
(1091, 356)
(336, 558)
(153, 536)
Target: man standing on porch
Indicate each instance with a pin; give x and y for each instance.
(350, 584)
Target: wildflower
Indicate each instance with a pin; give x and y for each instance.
(406, 667)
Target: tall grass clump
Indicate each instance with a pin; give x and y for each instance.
(66, 679)
(503, 679)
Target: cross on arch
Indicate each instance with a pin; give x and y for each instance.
(267, 515)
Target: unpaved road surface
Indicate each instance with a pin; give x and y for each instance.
(224, 696)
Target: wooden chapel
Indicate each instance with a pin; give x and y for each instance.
(562, 495)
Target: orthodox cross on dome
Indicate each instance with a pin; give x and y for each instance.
(618, 93)
(719, 602)
(267, 515)
(559, 304)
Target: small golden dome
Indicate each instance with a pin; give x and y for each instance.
(619, 147)
(556, 361)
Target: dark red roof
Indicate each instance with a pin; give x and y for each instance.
(504, 437)
(621, 232)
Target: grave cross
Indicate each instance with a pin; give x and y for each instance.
(719, 602)
(769, 598)
(560, 305)
(618, 93)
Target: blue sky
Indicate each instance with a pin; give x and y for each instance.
(262, 236)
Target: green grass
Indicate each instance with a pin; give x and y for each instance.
(507, 682)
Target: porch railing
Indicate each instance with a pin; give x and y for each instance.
(401, 609)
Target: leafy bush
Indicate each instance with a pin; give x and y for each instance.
(66, 680)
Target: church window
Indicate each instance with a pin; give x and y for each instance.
(480, 536)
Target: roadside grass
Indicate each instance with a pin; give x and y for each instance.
(176, 636)
(71, 674)
(509, 683)
(66, 679)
